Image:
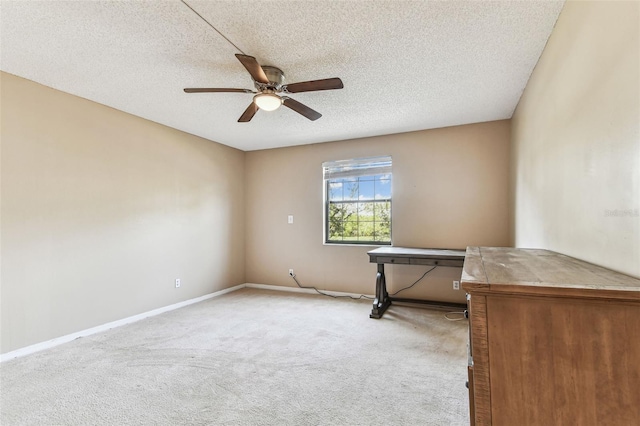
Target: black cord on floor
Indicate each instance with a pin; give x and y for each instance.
(447, 315)
(419, 279)
(362, 296)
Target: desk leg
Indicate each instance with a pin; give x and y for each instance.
(382, 301)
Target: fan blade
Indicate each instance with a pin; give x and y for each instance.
(301, 109)
(248, 113)
(213, 89)
(314, 85)
(253, 67)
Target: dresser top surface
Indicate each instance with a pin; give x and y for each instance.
(502, 266)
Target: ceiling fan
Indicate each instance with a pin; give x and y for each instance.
(268, 82)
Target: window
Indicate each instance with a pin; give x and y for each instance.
(358, 201)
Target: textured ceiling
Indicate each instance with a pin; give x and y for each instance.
(406, 65)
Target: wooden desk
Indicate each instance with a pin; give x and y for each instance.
(409, 256)
(554, 340)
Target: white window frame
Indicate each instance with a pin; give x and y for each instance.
(356, 168)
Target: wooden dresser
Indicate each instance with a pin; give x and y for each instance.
(553, 340)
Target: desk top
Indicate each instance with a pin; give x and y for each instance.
(525, 270)
(417, 253)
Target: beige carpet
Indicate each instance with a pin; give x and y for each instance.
(251, 357)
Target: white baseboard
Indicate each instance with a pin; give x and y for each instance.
(104, 327)
(303, 290)
(69, 337)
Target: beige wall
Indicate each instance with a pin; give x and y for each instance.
(102, 210)
(450, 190)
(576, 139)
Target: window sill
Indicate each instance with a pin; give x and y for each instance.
(356, 245)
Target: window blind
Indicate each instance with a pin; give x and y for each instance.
(357, 167)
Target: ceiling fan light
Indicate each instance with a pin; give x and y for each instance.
(267, 101)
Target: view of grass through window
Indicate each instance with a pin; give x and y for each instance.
(359, 209)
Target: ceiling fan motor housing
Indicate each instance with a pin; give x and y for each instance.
(275, 77)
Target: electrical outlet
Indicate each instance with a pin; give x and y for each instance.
(177, 282)
(290, 219)
(456, 285)
(290, 272)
